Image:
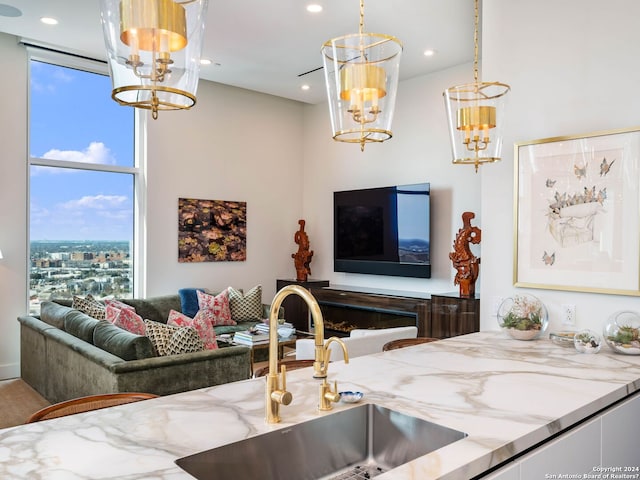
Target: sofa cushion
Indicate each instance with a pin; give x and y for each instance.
(189, 301)
(53, 313)
(156, 308)
(172, 340)
(90, 306)
(80, 325)
(121, 343)
(67, 302)
(216, 308)
(247, 306)
(144, 308)
(200, 323)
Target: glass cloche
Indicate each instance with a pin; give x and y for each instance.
(523, 317)
(622, 332)
(587, 341)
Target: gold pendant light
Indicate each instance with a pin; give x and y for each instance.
(475, 113)
(153, 49)
(361, 74)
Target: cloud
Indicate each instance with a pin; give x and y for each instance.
(62, 75)
(44, 80)
(96, 153)
(90, 217)
(38, 214)
(97, 202)
(40, 87)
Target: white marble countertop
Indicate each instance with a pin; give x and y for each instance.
(507, 395)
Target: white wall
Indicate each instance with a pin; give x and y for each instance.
(419, 151)
(13, 205)
(233, 145)
(573, 69)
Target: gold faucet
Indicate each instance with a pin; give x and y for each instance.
(276, 392)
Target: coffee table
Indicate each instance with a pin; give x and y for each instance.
(260, 351)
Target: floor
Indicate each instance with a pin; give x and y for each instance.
(18, 402)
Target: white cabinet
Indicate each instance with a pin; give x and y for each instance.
(620, 429)
(608, 440)
(508, 472)
(575, 452)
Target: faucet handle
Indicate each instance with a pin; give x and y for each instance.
(280, 394)
(334, 396)
(282, 397)
(327, 396)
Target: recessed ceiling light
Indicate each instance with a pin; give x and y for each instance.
(305, 87)
(49, 20)
(429, 52)
(205, 62)
(9, 11)
(314, 8)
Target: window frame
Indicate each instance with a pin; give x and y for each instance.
(138, 170)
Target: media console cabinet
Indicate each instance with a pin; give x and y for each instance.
(346, 307)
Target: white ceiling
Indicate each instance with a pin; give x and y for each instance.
(264, 45)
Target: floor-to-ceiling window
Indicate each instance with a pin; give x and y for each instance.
(83, 175)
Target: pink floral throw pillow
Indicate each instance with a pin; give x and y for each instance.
(126, 319)
(216, 308)
(118, 304)
(200, 323)
(111, 313)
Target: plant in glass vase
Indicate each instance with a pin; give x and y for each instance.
(523, 317)
(622, 332)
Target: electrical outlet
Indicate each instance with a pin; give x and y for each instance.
(568, 314)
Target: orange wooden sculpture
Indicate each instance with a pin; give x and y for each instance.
(302, 258)
(464, 261)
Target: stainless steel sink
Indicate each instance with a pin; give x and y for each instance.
(365, 440)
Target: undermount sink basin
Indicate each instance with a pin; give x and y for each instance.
(368, 439)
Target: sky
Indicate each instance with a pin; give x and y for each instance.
(72, 117)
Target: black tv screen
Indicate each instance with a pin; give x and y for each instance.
(383, 231)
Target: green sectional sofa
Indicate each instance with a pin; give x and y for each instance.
(66, 354)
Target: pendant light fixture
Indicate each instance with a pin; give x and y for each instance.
(475, 113)
(153, 50)
(361, 72)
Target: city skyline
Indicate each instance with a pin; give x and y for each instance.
(63, 269)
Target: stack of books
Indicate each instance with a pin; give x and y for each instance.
(250, 338)
(264, 327)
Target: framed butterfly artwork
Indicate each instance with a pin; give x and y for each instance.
(577, 213)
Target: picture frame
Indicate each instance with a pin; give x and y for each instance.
(577, 213)
(211, 230)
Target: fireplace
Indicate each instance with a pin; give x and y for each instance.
(339, 320)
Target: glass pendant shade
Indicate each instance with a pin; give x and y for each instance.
(361, 74)
(153, 50)
(475, 113)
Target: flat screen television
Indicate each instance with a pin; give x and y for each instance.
(383, 231)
